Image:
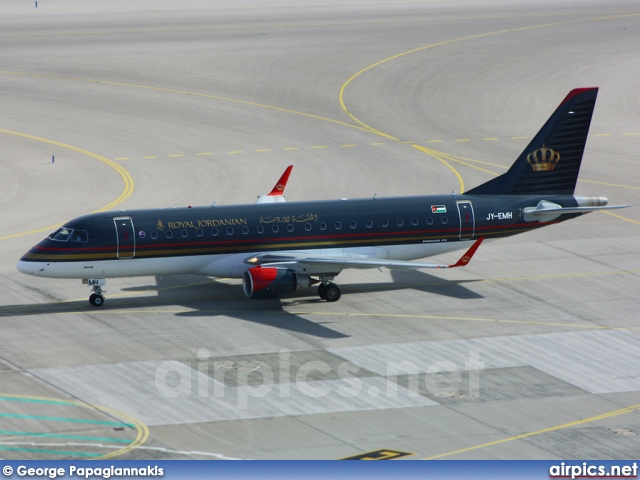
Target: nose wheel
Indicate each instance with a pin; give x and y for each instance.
(97, 298)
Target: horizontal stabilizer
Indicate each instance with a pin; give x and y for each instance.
(563, 210)
(547, 211)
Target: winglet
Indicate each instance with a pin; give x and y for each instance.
(277, 194)
(466, 258)
(279, 187)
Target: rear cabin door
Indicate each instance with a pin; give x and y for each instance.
(126, 238)
(467, 220)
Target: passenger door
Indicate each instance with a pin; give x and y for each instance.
(126, 238)
(467, 219)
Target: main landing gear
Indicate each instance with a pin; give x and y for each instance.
(96, 299)
(328, 290)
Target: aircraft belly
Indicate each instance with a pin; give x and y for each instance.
(224, 266)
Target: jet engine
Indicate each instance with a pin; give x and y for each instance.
(259, 282)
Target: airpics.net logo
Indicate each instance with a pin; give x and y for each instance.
(589, 470)
(286, 376)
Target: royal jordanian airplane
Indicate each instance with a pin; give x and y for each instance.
(279, 248)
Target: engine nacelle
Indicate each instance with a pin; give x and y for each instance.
(259, 282)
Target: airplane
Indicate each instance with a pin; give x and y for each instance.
(279, 248)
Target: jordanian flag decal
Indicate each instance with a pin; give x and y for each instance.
(438, 209)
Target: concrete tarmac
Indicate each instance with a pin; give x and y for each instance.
(531, 352)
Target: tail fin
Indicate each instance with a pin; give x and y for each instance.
(551, 162)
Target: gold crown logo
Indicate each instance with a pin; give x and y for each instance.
(159, 225)
(543, 159)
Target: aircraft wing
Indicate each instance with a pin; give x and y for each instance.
(341, 262)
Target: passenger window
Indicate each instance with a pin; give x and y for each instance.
(307, 227)
(400, 222)
(353, 224)
(185, 234)
(199, 232)
(214, 232)
(290, 227)
(414, 222)
(169, 234)
(445, 220)
(230, 231)
(338, 225)
(154, 235)
(245, 229)
(369, 224)
(323, 226)
(429, 221)
(385, 223)
(275, 229)
(260, 229)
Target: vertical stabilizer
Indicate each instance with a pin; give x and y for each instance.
(551, 162)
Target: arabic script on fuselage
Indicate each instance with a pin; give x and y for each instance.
(309, 217)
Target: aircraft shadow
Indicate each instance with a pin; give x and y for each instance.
(205, 297)
(194, 296)
(216, 298)
(423, 282)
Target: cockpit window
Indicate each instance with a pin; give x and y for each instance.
(61, 235)
(79, 236)
(67, 234)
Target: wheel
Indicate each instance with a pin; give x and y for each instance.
(96, 300)
(322, 291)
(332, 293)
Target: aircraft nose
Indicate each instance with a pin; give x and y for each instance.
(25, 267)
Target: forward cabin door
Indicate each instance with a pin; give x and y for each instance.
(467, 220)
(126, 238)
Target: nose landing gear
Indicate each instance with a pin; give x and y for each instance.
(96, 299)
